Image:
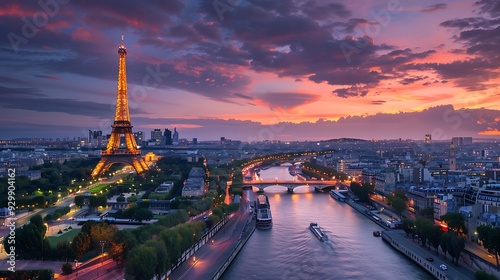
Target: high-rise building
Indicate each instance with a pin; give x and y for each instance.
(167, 134)
(175, 137)
(139, 137)
(222, 140)
(97, 133)
(460, 141)
(90, 137)
(195, 141)
(156, 135)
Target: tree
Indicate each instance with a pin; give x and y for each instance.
(401, 194)
(163, 262)
(435, 238)
(131, 210)
(408, 225)
(483, 275)
(444, 243)
(102, 232)
(172, 240)
(80, 244)
(143, 214)
(398, 205)
(63, 249)
(139, 269)
(37, 221)
(490, 237)
(456, 245)
(455, 222)
(116, 251)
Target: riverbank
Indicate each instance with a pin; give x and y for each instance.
(398, 240)
(424, 258)
(217, 253)
(247, 232)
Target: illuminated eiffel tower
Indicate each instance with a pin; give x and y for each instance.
(121, 126)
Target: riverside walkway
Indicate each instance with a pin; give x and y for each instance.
(208, 260)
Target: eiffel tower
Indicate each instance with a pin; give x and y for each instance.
(121, 126)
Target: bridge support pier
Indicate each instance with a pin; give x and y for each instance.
(290, 190)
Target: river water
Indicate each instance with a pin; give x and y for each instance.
(291, 251)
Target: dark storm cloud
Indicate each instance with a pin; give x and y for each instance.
(286, 101)
(491, 7)
(435, 7)
(353, 91)
(378, 102)
(469, 74)
(411, 80)
(320, 10)
(130, 13)
(32, 99)
(350, 25)
(200, 52)
(480, 37)
(471, 22)
(443, 122)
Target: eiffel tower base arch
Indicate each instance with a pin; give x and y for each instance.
(107, 161)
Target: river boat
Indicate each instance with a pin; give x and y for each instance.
(318, 232)
(337, 195)
(263, 217)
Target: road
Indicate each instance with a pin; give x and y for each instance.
(469, 246)
(453, 272)
(205, 263)
(66, 201)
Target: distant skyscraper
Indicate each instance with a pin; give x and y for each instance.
(175, 137)
(195, 141)
(168, 136)
(90, 136)
(222, 140)
(428, 138)
(97, 133)
(139, 137)
(156, 135)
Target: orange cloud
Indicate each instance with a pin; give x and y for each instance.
(494, 132)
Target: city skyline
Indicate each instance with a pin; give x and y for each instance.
(254, 71)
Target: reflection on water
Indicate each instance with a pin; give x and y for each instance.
(291, 251)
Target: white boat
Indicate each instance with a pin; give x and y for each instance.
(318, 232)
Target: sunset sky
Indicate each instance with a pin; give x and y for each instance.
(253, 70)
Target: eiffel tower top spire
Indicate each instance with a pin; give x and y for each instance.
(122, 116)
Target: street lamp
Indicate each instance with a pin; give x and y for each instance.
(102, 243)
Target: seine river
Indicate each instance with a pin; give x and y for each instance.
(290, 250)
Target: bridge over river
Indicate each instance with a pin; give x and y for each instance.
(290, 184)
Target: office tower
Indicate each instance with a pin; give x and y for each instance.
(168, 136)
(175, 137)
(156, 135)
